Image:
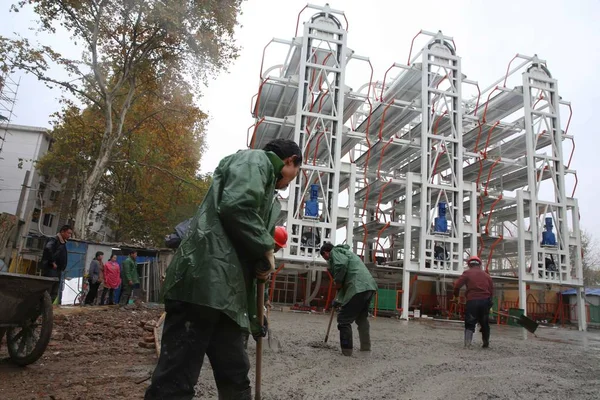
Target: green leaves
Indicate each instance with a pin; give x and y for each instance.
(135, 54)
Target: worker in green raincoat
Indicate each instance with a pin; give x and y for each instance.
(356, 287)
(210, 285)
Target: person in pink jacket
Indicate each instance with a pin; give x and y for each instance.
(112, 280)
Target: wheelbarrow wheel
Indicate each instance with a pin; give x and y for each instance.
(27, 343)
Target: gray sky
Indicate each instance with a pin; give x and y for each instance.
(487, 35)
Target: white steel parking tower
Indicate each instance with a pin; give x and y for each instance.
(432, 175)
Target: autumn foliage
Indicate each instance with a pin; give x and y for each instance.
(151, 182)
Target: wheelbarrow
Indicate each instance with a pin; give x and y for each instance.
(25, 315)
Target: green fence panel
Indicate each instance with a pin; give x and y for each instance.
(386, 300)
(594, 314)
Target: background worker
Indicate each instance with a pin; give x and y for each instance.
(480, 290)
(356, 287)
(94, 278)
(112, 280)
(129, 278)
(210, 286)
(54, 259)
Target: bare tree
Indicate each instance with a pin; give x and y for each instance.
(125, 42)
(590, 260)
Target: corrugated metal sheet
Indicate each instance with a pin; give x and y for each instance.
(588, 292)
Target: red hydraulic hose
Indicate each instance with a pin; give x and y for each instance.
(485, 191)
(378, 238)
(381, 158)
(487, 226)
(487, 142)
(412, 42)
(253, 142)
(380, 135)
(480, 171)
(298, 20)
(487, 267)
(508, 69)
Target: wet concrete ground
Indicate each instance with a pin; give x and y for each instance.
(95, 355)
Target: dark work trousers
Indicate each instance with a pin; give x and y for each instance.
(356, 310)
(111, 296)
(53, 273)
(93, 292)
(191, 331)
(126, 291)
(478, 311)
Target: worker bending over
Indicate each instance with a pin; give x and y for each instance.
(210, 285)
(356, 288)
(480, 290)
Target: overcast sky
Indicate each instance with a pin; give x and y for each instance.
(487, 35)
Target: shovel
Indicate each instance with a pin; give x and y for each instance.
(524, 321)
(260, 310)
(272, 341)
(329, 326)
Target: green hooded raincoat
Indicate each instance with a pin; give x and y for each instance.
(348, 269)
(229, 235)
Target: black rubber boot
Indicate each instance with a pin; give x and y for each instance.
(486, 339)
(230, 395)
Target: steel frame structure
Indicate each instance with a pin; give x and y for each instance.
(401, 146)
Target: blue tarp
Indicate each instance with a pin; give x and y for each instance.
(588, 292)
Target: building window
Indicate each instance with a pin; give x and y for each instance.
(42, 190)
(35, 216)
(48, 219)
(54, 195)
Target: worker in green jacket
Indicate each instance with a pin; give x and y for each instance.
(129, 278)
(210, 285)
(356, 287)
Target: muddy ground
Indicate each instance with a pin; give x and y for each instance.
(96, 356)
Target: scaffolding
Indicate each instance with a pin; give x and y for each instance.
(8, 98)
(431, 174)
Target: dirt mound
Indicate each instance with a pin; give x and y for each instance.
(94, 354)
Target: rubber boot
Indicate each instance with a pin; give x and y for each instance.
(468, 338)
(347, 352)
(486, 339)
(365, 337)
(230, 395)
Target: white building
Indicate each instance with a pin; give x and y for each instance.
(19, 180)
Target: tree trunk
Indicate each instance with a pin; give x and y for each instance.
(88, 191)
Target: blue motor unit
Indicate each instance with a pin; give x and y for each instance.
(440, 224)
(548, 237)
(311, 208)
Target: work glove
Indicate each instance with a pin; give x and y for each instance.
(455, 299)
(263, 330)
(266, 268)
(336, 304)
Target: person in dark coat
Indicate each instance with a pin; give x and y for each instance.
(94, 278)
(480, 290)
(210, 285)
(54, 258)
